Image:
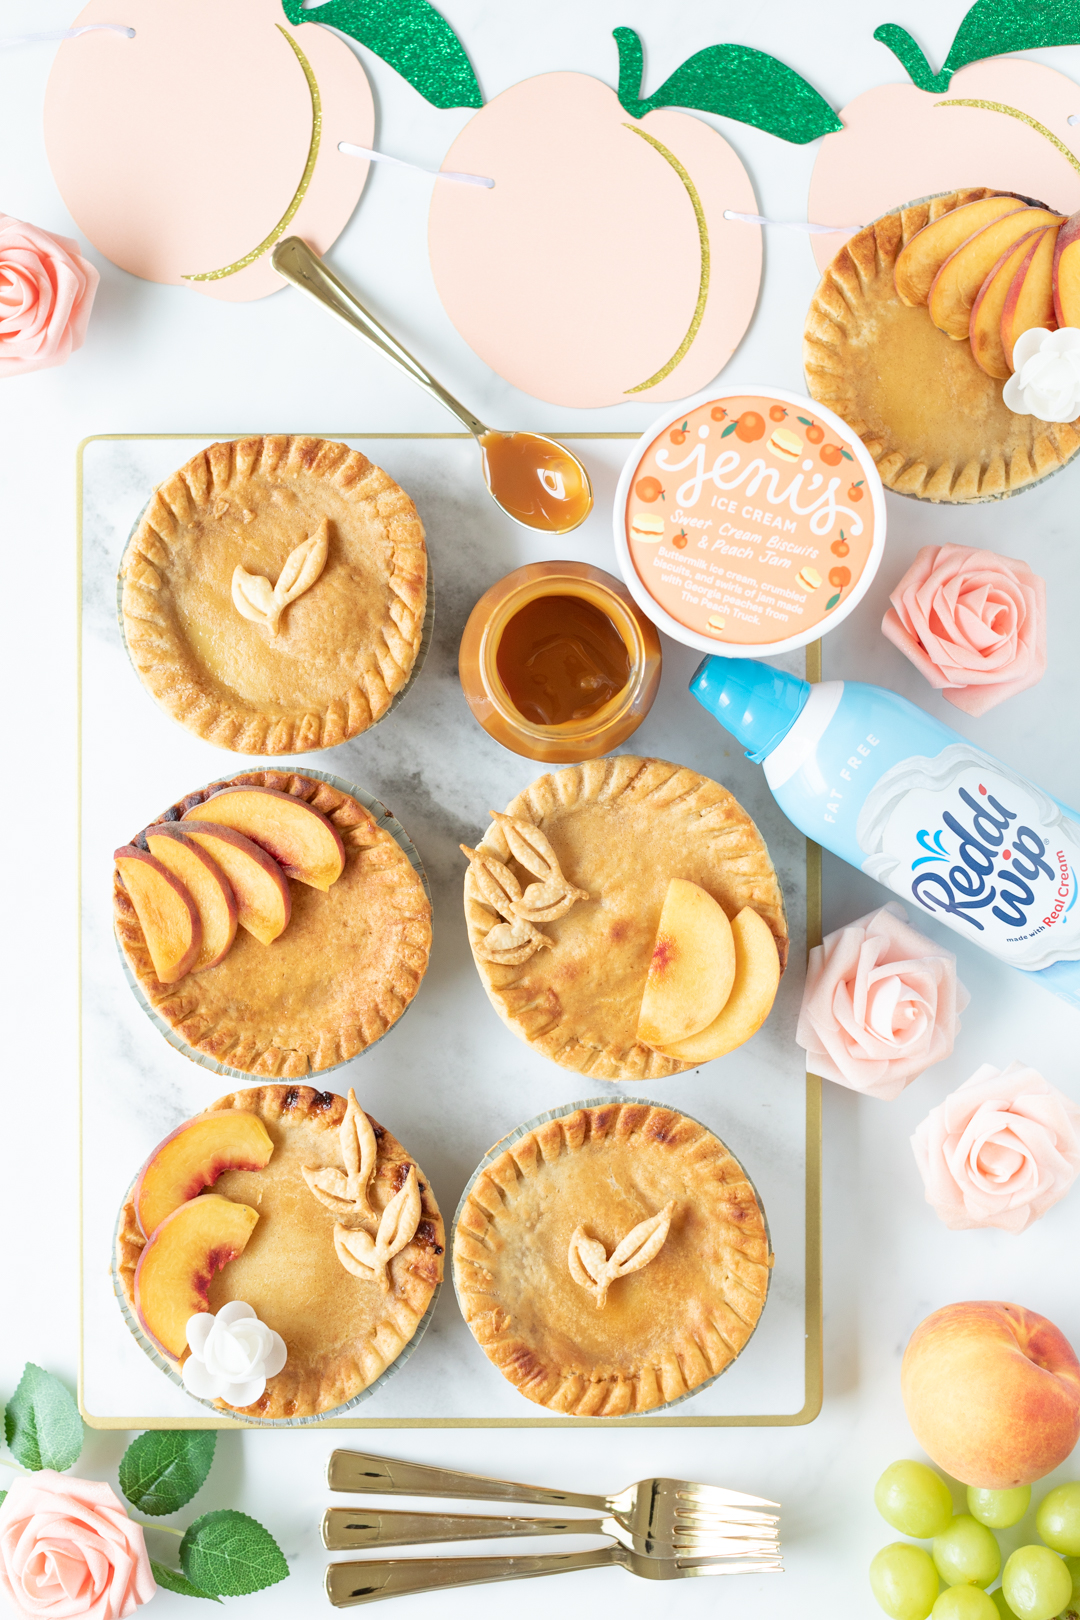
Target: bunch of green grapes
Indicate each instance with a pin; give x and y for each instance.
(1037, 1583)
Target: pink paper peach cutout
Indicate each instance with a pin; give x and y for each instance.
(601, 260)
(899, 144)
(179, 151)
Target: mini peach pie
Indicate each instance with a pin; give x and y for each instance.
(271, 923)
(626, 919)
(280, 1250)
(273, 594)
(612, 1260)
(913, 331)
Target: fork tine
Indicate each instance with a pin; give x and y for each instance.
(689, 1568)
(716, 1497)
(729, 1516)
(724, 1546)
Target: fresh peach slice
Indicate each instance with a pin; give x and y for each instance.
(956, 285)
(757, 976)
(167, 914)
(984, 329)
(206, 883)
(692, 967)
(263, 898)
(1030, 299)
(173, 1276)
(1067, 273)
(193, 1157)
(920, 260)
(303, 842)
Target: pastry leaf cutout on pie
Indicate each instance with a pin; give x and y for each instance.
(594, 1269)
(514, 940)
(345, 1193)
(256, 599)
(552, 896)
(367, 1257)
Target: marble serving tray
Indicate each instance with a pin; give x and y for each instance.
(449, 1080)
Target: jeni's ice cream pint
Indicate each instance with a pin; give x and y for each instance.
(916, 806)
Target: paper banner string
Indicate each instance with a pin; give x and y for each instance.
(990, 28)
(410, 36)
(439, 174)
(789, 224)
(69, 33)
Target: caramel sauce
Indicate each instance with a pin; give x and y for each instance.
(561, 659)
(536, 481)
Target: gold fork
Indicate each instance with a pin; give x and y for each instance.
(655, 1517)
(369, 1581)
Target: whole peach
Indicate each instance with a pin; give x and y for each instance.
(750, 426)
(992, 1393)
(831, 454)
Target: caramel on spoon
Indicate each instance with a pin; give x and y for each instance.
(534, 479)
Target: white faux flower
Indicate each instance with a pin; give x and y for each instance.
(232, 1355)
(1046, 375)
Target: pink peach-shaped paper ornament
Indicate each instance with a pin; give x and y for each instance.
(900, 143)
(185, 152)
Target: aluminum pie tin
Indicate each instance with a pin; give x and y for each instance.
(426, 633)
(172, 1373)
(508, 1141)
(388, 822)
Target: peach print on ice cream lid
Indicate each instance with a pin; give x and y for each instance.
(753, 520)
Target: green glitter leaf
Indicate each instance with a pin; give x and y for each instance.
(734, 81)
(410, 36)
(990, 28)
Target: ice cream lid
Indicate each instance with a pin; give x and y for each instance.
(752, 520)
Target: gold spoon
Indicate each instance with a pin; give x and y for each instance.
(534, 479)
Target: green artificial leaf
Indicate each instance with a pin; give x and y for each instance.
(229, 1554)
(42, 1425)
(410, 36)
(173, 1581)
(831, 603)
(2, 1495)
(161, 1470)
(734, 81)
(990, 28)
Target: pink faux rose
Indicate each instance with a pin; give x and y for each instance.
(881, 1004)
(68, 1548)
(1000, 1150)
(46, 290)
(972, 622)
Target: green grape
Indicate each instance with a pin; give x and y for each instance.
(1036, 1583)
(964, 1603)
(1058, 1518)
(904, 1581)
(998, 1595)
(914, 1500)
(1073, 1567)
(967, 1553)
(998, 1509)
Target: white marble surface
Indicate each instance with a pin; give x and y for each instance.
(165, 360)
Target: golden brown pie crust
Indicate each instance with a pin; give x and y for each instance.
(665, 1329)
(346, 967)
(933, 421)
(341, 1332)
(344, 648)
(621, 828)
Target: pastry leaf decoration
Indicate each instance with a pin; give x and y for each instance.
(368, 1257)
(552, 896)
(734, 81)
(410, 36)
(345, 1194)
(990, 28)
(513, 941)
(591, 1266)
(254, 597)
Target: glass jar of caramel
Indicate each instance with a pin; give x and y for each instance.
(558, 662)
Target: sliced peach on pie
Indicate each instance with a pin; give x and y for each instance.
(956, 285)
(206, 883)
(173, 1276)
(193, 1157)
(921, 259)
(167, 914)
(757, 977)
(984, 329)
(305, 844)
(1067, 273)
(1030, 299)
(263, 898)
(692, 967)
